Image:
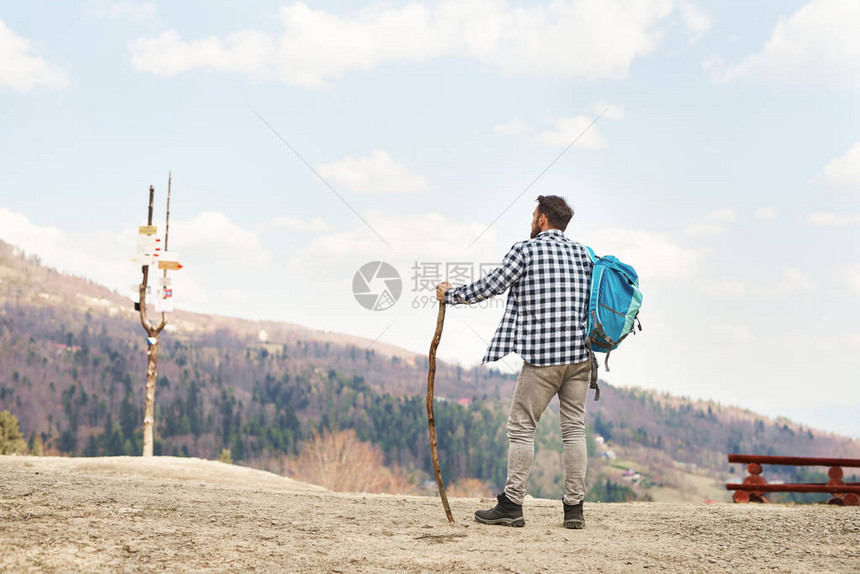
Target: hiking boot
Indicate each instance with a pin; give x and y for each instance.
(505, 513)
(573, 516)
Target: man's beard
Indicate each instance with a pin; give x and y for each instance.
(535, 230)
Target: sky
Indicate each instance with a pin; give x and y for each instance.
(715, 146)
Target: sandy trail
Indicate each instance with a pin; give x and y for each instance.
(189, 515)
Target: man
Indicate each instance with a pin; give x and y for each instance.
(549, 279)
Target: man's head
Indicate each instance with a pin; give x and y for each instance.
(552, 212)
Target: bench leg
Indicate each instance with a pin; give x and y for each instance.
(755, 477)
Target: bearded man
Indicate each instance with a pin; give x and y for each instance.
(548, 279)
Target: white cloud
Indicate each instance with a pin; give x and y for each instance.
(124, 10)
(695, 19)
(654, 255)
(791, 281)
(582, 129)
(851, 277)
(737, 333)
(19, 230)
(609, 111)
(726, 215)
(766, 213)
(566, 130)
(592, 39)
(833, 219)
(430, 239)
(23, 72)
(711, 223)
(516, 126)
(415, 236)
(817, 45)
(211, 235)
(373, 174)
(795, 281)
(218, 256)
(844, 171)
(704, 229)
(296, 224)
(727, 288)
(102, 256)
(234, 296)
(225, 265)
(247, 52)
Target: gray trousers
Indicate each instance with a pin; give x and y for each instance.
(535, 388)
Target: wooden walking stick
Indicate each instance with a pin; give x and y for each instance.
(431, 379)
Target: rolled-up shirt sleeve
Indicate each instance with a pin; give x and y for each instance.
(494, 283)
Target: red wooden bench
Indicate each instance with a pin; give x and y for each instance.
(755, 487)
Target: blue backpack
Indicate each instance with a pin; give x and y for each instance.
(614, 303)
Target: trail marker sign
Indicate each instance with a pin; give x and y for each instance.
(169, 265)
(169, 261)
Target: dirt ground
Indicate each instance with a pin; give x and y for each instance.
(188, 515)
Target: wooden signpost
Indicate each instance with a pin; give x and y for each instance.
(150, 254)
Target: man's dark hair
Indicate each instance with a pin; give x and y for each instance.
(558, 212)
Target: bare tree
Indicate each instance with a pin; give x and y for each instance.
(341, 462)
(471, 488)
(152, 332)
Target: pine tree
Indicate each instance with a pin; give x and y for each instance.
(11, 440)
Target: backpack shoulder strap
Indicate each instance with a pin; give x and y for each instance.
(592, 384)
(596, 278)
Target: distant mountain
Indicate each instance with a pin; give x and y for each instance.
(72, 369)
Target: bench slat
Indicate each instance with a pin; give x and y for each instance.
(855, 488)
(795, 460)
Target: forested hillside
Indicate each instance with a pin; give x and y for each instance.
(72, 366)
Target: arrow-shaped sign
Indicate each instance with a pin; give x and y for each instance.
(169, 265)
(169, 260)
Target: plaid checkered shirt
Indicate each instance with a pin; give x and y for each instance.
(549, 278)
